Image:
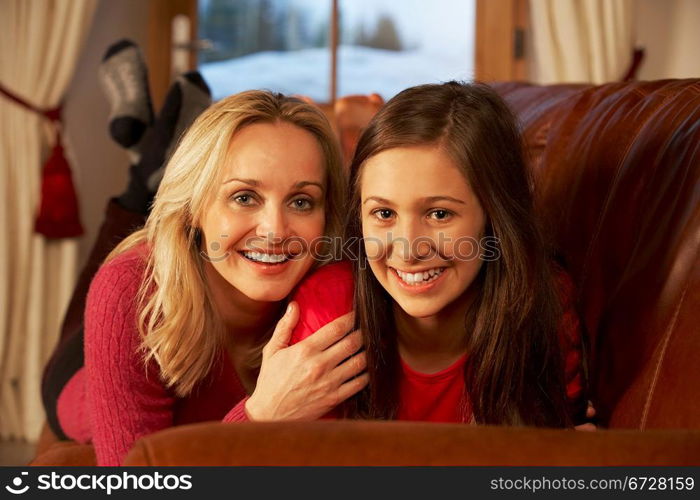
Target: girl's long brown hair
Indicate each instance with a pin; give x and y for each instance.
(514, 372)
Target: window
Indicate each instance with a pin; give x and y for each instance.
(290, 46)
(387, 46)
(280, 45)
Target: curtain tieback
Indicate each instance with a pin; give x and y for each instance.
(59, 215)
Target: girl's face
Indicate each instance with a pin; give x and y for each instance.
(421, 224)
(267, 209)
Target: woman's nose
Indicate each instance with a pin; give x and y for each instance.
(272, 225)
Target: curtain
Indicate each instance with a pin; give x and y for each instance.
(581, 40)
(40, 41)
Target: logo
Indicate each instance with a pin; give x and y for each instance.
(17, 483)
(215, 246)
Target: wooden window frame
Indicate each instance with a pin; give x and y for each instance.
(159, 40)
(501, 29)
(501, 34)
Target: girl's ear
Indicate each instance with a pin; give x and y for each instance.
(488, 227)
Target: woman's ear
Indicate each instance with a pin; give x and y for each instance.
(195, 232)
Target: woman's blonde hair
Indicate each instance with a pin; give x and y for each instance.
(177, 320)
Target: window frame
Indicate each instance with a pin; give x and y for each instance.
(501, 28)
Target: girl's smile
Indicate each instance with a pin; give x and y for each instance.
(414, 232)
(419, 281)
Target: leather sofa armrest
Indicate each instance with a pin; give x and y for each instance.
(66, 453)
(406, 443)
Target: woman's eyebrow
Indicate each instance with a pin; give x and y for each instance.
(303, 184)
(251, 182)
(256, 183)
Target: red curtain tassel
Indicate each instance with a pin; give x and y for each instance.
(59, 216)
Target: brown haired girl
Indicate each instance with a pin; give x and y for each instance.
(464, 314)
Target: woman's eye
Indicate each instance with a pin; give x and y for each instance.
(383, 213)
(302, 204)
(440, 214)
(244, 199)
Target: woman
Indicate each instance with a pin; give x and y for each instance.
(177, 315)
(464, 315)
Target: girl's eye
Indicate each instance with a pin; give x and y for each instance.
(302, 204)
(440, 214)
(383, 213)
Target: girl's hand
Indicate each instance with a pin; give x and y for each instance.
(588, 426)
(307, 380)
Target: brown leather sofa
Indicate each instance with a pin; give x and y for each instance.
(617, 171)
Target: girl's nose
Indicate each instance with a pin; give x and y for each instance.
(404, 241)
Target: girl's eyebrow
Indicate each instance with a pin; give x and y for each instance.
(433, 199)
(382, 201)
(428, 199)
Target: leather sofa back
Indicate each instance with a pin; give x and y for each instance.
(617, 170)
(407, 443)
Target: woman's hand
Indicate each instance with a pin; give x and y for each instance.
(588, 426)
(307, 380)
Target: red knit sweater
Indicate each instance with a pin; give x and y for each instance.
(115, 399)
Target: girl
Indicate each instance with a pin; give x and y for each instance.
(177, 315)
(464, 315)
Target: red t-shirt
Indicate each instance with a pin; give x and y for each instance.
(438, 397)
(433, 397)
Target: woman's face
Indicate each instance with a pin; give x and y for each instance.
(266, 209)
(421, 225)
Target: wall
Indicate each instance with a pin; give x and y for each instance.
(669, 30)
(100, 167)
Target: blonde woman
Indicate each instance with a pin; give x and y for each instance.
(177, 316)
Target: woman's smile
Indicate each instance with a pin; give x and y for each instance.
(267, 263)
(268, 209)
